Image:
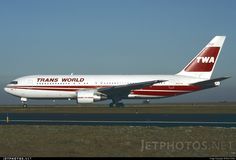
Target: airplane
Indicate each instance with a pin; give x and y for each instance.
(195, 76)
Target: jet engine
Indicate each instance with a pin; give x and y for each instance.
(89, 96)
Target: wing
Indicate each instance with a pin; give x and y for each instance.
(121, 91)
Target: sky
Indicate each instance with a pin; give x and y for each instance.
(115, 37)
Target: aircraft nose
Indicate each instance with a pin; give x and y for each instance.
(7, 89)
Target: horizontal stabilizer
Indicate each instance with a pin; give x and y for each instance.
(210, 82)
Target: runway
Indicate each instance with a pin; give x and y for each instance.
(162, 120)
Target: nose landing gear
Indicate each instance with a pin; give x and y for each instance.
(23, 101)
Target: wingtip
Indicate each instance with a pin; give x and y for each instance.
(227, 77)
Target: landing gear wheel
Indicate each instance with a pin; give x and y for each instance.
(25, 105)
(111, 105)
(23, 101)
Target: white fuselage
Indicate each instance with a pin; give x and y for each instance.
(66, 86)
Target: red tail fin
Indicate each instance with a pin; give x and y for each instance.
(203, 64)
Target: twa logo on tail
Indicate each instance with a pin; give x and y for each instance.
(206, 60)
(202, 65)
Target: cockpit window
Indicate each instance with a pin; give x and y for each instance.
(13, 82)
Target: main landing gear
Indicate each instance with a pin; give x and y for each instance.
(116, 105)
(23, 101)
(115, 102)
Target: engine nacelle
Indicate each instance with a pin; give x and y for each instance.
(89, 96)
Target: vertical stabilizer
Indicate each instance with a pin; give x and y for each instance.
(204, 63)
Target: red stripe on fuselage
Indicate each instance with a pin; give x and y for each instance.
(185, 88)
(151, 90)
(172, 87)
(158, 93)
